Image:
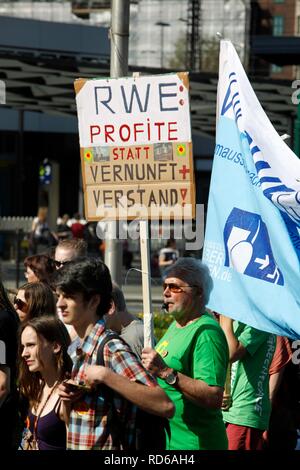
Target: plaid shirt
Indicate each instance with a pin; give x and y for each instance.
(91, 423)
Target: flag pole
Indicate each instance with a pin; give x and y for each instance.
(119, 36)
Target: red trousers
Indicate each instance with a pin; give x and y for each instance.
(243, 437)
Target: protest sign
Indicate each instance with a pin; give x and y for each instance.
(135, 144)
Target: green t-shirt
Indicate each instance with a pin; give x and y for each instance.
(198, 350)
(250, 379)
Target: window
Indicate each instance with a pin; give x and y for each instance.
(276, 68)
(278, 24)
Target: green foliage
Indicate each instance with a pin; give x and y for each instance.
(210, 54)
(162, 321)
(177, 62)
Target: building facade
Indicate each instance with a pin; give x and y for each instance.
(278, 19)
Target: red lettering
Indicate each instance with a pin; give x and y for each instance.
(136, 130)
(146, 150)
(172, 130)
(122, 152)
(130, 154)
(158, 125)
(124, 138)
(108, 130)
(148, 128)
(115, 154)
(92, 133)
(137, 149)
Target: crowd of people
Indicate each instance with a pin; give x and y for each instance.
(43, 239)
(76, 374)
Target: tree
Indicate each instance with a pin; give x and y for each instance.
(178, 61)
(210, 55)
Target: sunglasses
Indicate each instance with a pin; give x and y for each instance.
(60, 264)
(174, 287)
(19, 303)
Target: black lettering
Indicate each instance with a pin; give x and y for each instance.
(116, 171)
(140, 192)
(130, 199)
(140, 172)
(173, 166)
(152, 199)
(107, 197)
(118, 196)
(173, 197)
(151, 172)
(94, 170)
(96, 195)
(104, 173)
(128, 172)
(163, 197)
(162, 168)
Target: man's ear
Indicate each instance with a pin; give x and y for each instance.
(95, 301)
(112, 309)
(199, 291)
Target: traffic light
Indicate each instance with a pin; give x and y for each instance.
(45, 172)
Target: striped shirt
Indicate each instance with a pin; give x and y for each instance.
(92, 424)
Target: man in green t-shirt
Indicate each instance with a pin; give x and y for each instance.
(191, 359)
(250, 352)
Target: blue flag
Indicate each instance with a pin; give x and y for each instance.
(252, 240)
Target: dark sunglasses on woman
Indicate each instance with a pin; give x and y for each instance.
(19, 303)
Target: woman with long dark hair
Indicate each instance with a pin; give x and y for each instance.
(43, 364)
(34, 299)
(8, 359)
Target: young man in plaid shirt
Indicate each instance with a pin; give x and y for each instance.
(84, 296)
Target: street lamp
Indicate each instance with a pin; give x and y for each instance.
(162, 25)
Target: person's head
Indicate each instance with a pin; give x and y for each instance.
(68, 250)
(34, 300)
(118, 306)
(43, 344)
(171, 243)
(42, 214)
(65, 218)
(39, 268)
(84, 291)
(187, 287)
